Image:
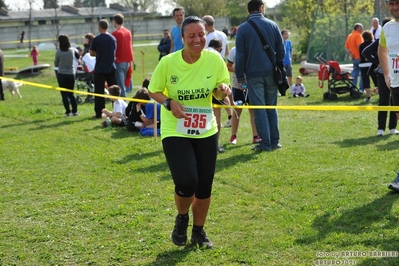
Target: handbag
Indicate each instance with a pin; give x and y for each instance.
(279, 73)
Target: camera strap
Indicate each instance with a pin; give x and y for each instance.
(263, 40)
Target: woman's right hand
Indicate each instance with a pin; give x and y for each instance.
(177, 109)
(388, 81)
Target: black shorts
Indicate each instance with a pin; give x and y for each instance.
(131, 127)
(192, 163)
(122, 123)
(216, 101)
(123, 120)
(239, 95)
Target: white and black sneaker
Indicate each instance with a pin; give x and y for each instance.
(199, 238)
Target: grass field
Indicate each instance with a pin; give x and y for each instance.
(74, 193)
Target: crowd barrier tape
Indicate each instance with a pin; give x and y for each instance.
(73, 91)
(286, 107)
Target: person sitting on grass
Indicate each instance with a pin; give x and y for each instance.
(298, 89)
(135, 111)
(146, 116)
(149, 122)
(149, 119)
(117, 116)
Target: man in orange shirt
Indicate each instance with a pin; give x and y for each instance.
(124, 52)
(352, 43)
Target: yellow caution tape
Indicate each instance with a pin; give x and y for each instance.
(303, 108)
(315, 107)
(74, 91)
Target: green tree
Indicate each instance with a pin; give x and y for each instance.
(147, 5)
(215, 8)
(237, 11)
(78, 3)
(2, 4)
(323, 25)
(93, 3)
(50, 4)
(297, 16)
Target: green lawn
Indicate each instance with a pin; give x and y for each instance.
(74, 193)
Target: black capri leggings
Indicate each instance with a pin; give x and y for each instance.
(192, 163)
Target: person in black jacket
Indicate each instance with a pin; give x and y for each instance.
(370, 53)
(164, 44)
(367, 67)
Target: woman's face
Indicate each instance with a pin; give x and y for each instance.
(194, 37)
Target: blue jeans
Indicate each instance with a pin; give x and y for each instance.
(263, 91)
(120, 75)
(355, 73)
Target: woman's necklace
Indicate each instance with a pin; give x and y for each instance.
(191, 60)
(196, 70)
(189, 55)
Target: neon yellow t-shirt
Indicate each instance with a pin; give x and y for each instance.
(192, 86)
(390, 39)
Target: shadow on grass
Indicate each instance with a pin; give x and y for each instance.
(46, 125)
(346, 98)
(172, 257)
(393, 145)
(122, 132)
(22, 124)
(138, 156)
(355, 221)
(226, 162)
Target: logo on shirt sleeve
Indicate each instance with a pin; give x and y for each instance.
(174, 79)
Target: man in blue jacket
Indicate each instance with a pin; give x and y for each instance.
(253, 64)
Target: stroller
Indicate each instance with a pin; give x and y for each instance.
(338, 82)
(84, 82)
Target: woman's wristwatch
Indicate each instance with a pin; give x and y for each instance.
(166, 103)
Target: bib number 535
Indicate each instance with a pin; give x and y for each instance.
(195, 121)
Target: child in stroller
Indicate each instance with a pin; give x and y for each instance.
(85, 79)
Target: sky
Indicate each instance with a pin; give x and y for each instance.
(38, 4)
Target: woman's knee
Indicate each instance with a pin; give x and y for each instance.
(186, 182)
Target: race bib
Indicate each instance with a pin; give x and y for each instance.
(198, 121)
(393, 59)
